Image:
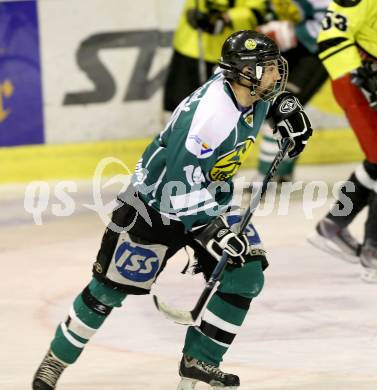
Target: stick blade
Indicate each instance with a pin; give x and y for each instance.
(179, 316)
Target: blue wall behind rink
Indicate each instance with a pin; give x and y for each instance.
(21, 106)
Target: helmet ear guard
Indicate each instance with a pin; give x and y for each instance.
(225, 66)
(233, 72)
(252, 77)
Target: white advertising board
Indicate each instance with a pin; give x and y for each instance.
(103, 62)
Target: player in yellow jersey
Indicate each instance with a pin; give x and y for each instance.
(203, 27)
(348, 49)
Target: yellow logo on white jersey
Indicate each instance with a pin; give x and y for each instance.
(228, 165)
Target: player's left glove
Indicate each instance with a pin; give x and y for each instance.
(218, 237)
(288, 120)
(365, 77)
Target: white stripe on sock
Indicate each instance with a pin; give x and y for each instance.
(70, 338)
(269, 147)
(78, 327)
(213, 319)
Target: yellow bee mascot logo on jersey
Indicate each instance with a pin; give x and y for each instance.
(229, 164)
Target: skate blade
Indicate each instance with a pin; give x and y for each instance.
(187, 384)
(369, 275)
(219, 386)
(324, 245)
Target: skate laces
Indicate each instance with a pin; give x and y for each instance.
(50, 370)
(210, 369)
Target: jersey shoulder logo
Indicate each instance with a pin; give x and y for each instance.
(198, 147)
(249, 119)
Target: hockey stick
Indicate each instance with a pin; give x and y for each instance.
(202, 67)
(189, 317)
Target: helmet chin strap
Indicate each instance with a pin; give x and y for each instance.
(252, 87)
(253, 90)
(254, 81)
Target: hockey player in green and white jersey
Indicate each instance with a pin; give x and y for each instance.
(180, 196)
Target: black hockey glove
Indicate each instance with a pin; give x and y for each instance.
(217, 237)
(365, 77)
(211, 23)
(288, 120)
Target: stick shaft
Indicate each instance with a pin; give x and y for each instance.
(221, 265)
(202, 67)
(189, 317)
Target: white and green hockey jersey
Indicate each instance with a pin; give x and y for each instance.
(186, 171)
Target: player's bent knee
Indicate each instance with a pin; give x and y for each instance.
(235, 300)
(246, 281)
(106, 294)
(94, 304)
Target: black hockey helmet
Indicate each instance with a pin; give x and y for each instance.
(255, 51)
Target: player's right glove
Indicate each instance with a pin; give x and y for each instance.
(365, 77)
(211, 23)
(218, 237)
(288, 120)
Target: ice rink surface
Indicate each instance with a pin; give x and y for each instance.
(314, 326)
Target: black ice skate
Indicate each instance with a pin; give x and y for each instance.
(48, 372)
(192, 370)
(336, 241)
(368, 259)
